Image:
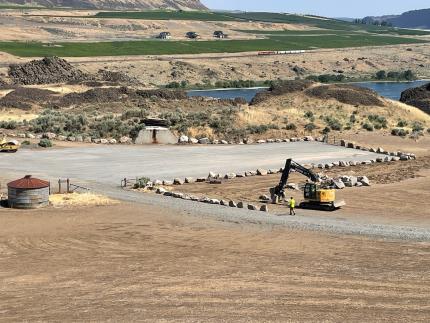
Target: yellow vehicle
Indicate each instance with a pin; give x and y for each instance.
(315, 196)
(10, 146)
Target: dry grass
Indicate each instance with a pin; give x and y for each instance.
(16, 115)
(291, 108)
(84, 199)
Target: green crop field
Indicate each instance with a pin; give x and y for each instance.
(156, 47)
(313, 21)
(166, 15)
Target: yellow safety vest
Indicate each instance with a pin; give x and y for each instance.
(292, 203)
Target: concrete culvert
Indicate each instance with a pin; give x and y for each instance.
(28, 193)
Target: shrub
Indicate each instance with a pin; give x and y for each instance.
(327, 78)
(353, 118)
(402, 123)
(399, 132)
(291, 126)
(428, 130)
(417, 126)
(310, 127)
(309, 115)
(45, 143)
(368, 126)
(173, 85)
(378, 121)
(9, 125)
(141, 182)
(25, 143)
(333, 123)
(326, 130)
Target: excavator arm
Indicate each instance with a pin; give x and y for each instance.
(279, 191)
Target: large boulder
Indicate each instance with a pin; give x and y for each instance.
(183, 139)
(338, 184)
(364, 180)
(262, 172)
(204, 141)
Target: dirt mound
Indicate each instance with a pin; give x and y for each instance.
(348, 94)
(418, 97)
(162, 94)
(97, 95)
(117, 94)
(24, 98)
(115, 77)
(281, 88)
(45, 71)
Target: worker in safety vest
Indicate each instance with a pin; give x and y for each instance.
(292, 205)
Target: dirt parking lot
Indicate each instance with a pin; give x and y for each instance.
(129, 263)
(397, 189)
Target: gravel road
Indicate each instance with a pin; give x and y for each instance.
(308, 221)
(109, 164)
(102, 167)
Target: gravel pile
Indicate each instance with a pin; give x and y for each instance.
(23, 98)
(45, 71)
(116, 77)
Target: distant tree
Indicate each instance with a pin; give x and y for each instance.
(381, 75)
(409, 75)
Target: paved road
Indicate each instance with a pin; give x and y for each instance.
(109, 164)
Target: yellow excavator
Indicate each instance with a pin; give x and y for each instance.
(316, 194)
(8, 146)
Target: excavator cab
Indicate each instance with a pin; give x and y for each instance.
(319, 198)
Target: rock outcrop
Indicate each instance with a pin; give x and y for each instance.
(418, 97)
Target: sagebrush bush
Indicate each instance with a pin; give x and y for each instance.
(368, 126)
(399, 132)
(45, 143)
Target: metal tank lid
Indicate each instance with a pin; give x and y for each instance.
(28, 182)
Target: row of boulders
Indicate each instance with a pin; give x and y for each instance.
(215, 176)
(348, 181)
(78, 138)
(207, 200)
(183, 139)
(397, 155)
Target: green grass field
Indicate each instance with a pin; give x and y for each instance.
(156, 47)
(166, 15)
(319, 22)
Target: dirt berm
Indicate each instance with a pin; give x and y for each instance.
(345, 93)
(24, 98)
(418, 97)
(45, 71)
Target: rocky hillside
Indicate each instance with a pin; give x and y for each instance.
(410, 19)
(113, 4)
(418, 97)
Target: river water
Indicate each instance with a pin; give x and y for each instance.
(391, 90)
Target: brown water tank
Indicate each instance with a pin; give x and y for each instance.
(28, 193)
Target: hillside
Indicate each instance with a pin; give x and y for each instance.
(111, 4)
(411, 19)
